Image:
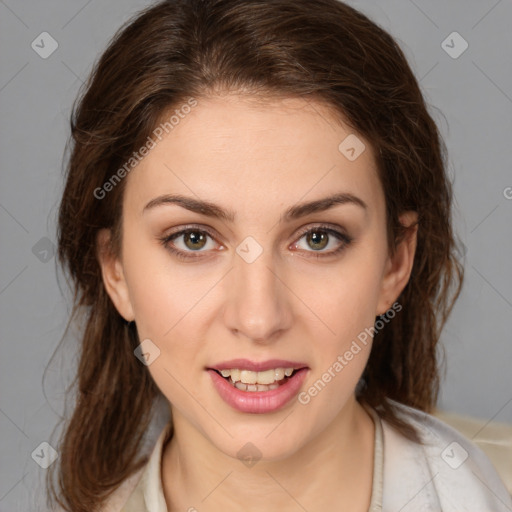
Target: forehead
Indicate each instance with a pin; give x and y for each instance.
(244, 151)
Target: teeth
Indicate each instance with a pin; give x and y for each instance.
(255, 387)
(248, 377)
(265, 378)
(235, 375)
(279, 373)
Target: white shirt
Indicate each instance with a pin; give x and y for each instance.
(448, 473)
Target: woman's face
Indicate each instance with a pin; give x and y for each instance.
(271, 269)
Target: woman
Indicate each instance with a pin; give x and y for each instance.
(256, 220)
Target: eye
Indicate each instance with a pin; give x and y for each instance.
(322, 237)
(184, 243)
(187, 241)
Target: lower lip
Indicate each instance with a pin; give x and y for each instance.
(258, 402)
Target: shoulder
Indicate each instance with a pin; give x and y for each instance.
(142, 491)
(446, 471)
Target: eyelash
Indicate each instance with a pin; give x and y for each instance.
(184, 255)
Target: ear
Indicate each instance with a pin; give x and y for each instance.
(113, 275)
(399, 265)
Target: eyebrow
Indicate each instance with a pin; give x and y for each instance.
(294, 212)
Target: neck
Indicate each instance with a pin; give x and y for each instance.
(336, 464)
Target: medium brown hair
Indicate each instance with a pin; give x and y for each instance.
(321, 50)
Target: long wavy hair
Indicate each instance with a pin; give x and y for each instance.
(319, 50)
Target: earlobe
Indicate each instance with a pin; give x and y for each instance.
(113, 276)
(399, 265)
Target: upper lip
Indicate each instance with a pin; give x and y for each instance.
(257, 366)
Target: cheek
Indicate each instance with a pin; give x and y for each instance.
(161, 292)
(341, 354)
(345, 296)
(166, 310)
(170, 307)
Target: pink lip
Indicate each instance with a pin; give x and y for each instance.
(259, 402)
(246, 364)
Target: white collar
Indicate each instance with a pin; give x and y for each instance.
(414, 477)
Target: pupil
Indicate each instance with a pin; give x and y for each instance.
(318, 238)
(194, 237)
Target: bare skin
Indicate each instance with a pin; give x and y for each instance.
(258, 160)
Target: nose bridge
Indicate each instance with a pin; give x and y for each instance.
(256, 305)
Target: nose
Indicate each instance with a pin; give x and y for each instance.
(257, 304)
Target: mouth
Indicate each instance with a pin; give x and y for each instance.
(258, 388)
(251, 381)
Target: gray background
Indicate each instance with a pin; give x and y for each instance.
(471, 99)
